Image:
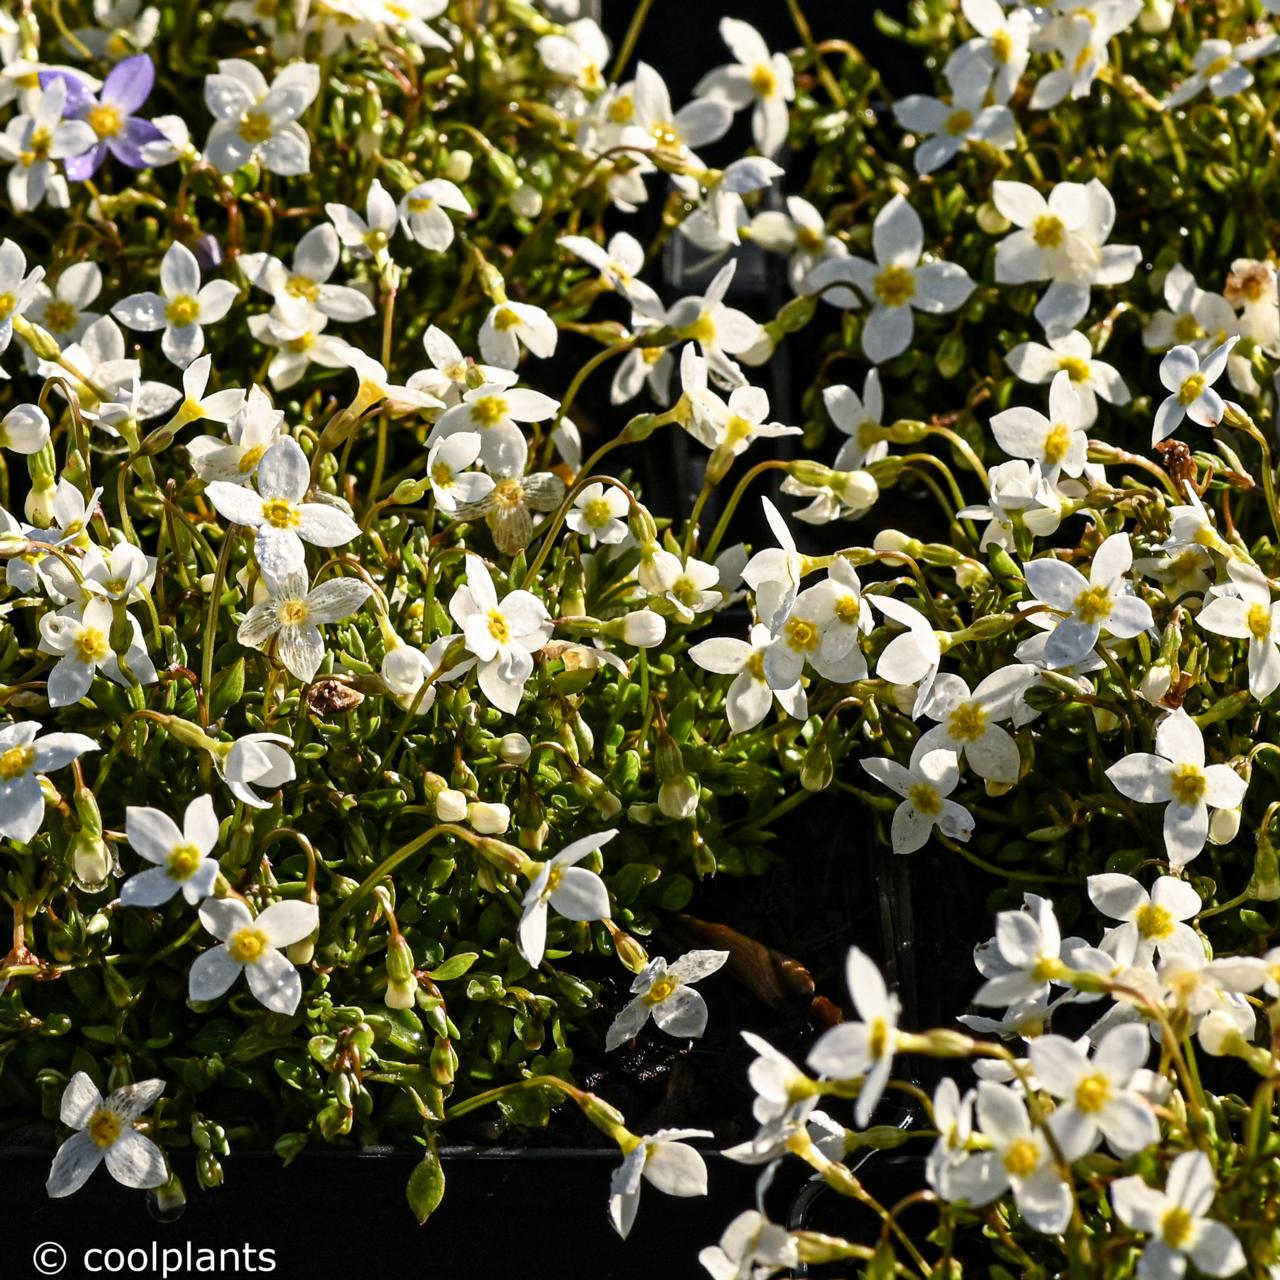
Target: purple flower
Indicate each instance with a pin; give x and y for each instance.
(110, 115)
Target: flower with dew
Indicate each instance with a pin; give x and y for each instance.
(1243, 610)
(1177, 1221)
(451, 482)
(863, 1048)
(898, 283)
(1154, 921)
(924, 785)
(492, 412)
(512, 325)
(276, 512)
(257, 121)
(750, 695)
(575, 892)
(1177, 777)
(182, 307)
(25, 755)
(1059, 442)
(945, 127)
(293, 614)
(315, 258)
(370, 236)
(663, 1160)
(502, 634)
(423, 216)
(758, 79)
(106, 1132)
(1189, 381)
(181, 858)
(1087, 607)
(252, 945)
(1071, 352)
(597, 514)
(666, 992)
(1096, 1092)
(81, 642)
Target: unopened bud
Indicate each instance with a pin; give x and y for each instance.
(451, 805)
(488, 819)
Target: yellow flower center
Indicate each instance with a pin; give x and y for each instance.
(661, 990)
(506, 319)
(1002, 45)
(1217, 66)
(420, 204)
(879, 1041)
(1093, 1093)
(105, 119)
(1022, 1158)
(509, 493)
(255, 127)
(281, 513)
(968, 722)
(1186, 328)
(7, 304)
(1177, 1227)
(293, 613)
(488, 411)
(92, 646)
(1057, 443)
(666, 136)
(1093, 604)
(38, 147)
(1192, 389)
(442, 475)
(1048, 231)
(248, 945)
(737, 429)
(1077, 368)
(895, 286)
(104, 1128)
(621, 110)
(250, 458)
(15, 762)
(498, 627)
(848, 609)
(763, 82)
(959, 123)
(810, 239)
(1188, 784)
(755, 666)
(60, 316)
(597, 513)
(1258, 620)
(302, 287)
(1153, 922)
(702, 330)
(303, 342)
(182, 310)
(801, 635)
(182, 861)
(924, 797)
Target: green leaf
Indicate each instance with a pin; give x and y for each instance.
(426, 1184)
(454, 966)
(228, 688)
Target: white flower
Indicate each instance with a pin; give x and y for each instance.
(665, 992)
(23, 758)
(257, 760)
(953, 1118)
(663, 1160)
(913, 657)
(1061, 240)
(181, 857)
(252, 945)
(862, 1048)
(297, 333)
(1151, 920)
(492, 412)
(282, 521)
(503, 635)
(1177, 1221)
(447, 463)
(1177, 777)
(1103, 602)
(451, 374)
(924, 787)
(597, 514)
(749, 696)
(32, 143)
(61, 310)
(1222, 68)
(618, 265)
(511, 325)
(774, 573)
(315, 258)
(752, 1248)
(947, 126)
(759, 77)
(1003, 43)
(655, 127)
(252, 430)
(579, 54)
(693, 589)
(1059, 442)
(82, 643)
(1073, 352)
(1194, 317)
(293, 616)
(1189, 382)
(422, 213)
(1248, 614)
(859, 418)
(15, 284)
(1028, 955)
(182, 307)
(254, 120)
(801, 232)
(897, 282)
(968, 722)
(106, 1132)
(575, 892)
(1097, 1093)
(720, 331)
(367, 237)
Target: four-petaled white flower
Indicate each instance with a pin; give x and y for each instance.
(106, 1132)
(664, 991)
(1189, 381)
(662, 1159)
(422, 213)
(968, 722)
(252, 945)
(1177, 777)
(1058, 442)
(25, 754)
(253, 119)
(750, 695)
(618, 265)
(492, 412)
(924, 787)
(759, 79)
(181, 857)
(1222, 68)
(281, 520)
(451, 482)
(370, 236)
(81, 641)
(511, 325)
(597, 514)
(1151, 921)
(575, 892)
(946, 126)
(1244, 611)
(1102, 602)
(1177, 1221)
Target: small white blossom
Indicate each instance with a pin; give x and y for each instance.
(181, 858)
(106, 1132)
(575, 892)
(924, 786)
(665, 991)
(252, 945)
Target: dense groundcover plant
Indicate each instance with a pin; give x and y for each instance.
(359, 712)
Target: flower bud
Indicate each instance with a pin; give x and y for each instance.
(894, 540)
(514, 748)
(90, 860)
(1224, 825)
(641, 628)
(487, 819)
(678, 798)
(451, 805)
(457, 166)
(526, 201)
